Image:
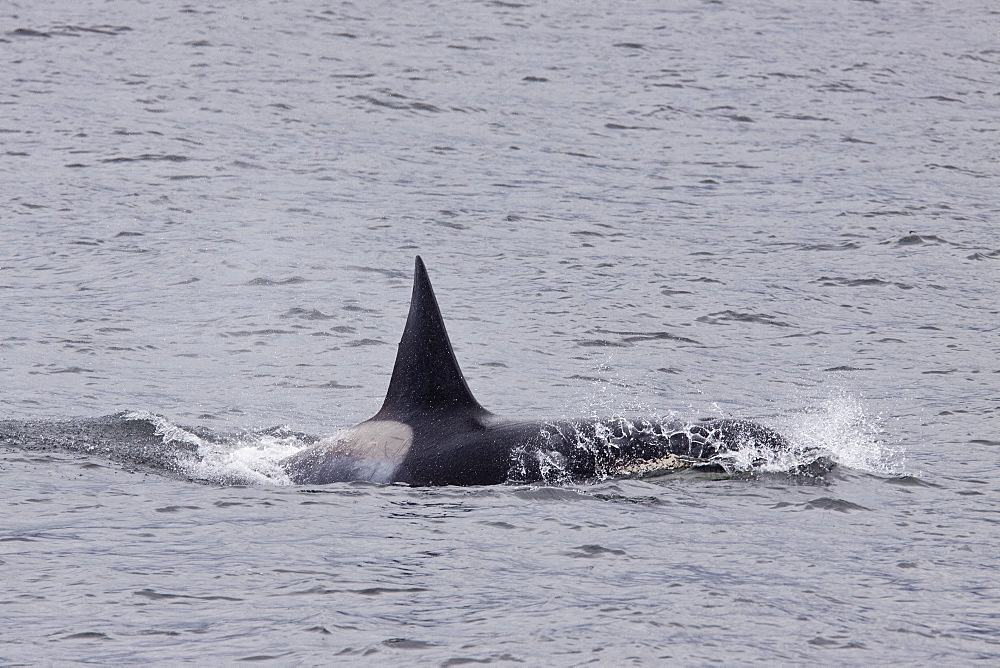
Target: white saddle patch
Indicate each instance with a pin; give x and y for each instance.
(371, 451)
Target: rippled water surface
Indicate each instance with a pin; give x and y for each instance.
(773, 210)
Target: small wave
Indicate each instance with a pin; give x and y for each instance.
(725, 317)
(872, 281)
(165, 429)
(263, 280)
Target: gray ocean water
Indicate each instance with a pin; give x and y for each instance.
(785, 211)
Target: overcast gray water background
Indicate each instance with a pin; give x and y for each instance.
(779, 210)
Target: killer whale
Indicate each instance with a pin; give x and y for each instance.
(431, 430)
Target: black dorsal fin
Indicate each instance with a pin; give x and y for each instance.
(426, 376)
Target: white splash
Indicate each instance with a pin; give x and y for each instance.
(754, 456)
(854, 439)
(252, 460)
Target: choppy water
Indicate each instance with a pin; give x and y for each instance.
(782, 211)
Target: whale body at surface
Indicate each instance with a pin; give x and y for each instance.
(432, 431)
